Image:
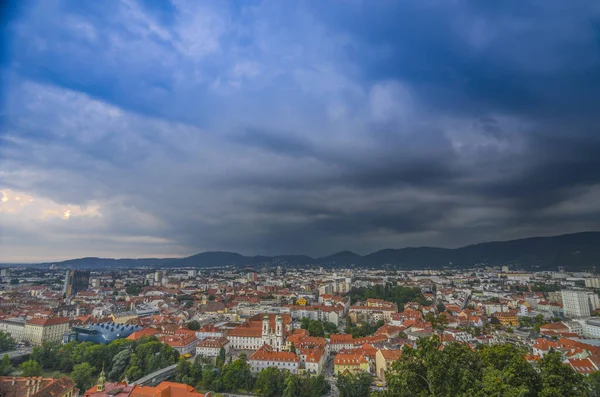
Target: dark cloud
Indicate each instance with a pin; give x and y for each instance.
(265, 127)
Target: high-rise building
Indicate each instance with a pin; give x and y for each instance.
(592, 282)
(158, 276)
(75, 281)
(594, 300)
(576, 304)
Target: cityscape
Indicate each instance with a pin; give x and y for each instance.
(288, 330)
(315, 198)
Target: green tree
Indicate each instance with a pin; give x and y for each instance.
(330, 327)
(238, 376)
(270, 382)
(429, 371)
(505, 364)
(316, 329)
(440, 307)
(525, 322)
(6, 367)
(134, 289)
(297, 386)
(305, 322)
(183, 372)
(354, 385)
(30, 368)
(209, 377)
(118, 365)
(83, 375)
(193, 325)
(7, 343)
(14, 281)
(594, 384)
(319, 386)
(559, 380)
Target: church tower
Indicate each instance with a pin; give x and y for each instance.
(265, 329)
(279, 326)
(101, 380)
(279, 331)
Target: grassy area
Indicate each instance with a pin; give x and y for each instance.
(53, 374)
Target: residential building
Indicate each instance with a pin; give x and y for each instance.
(372, 310)
(332, 314)
(574, 327)
(15, 327)
(575, 303)
(592, 282)
(594, 300)
(507, 318)
(167, 389)
(124, 317)
(591, 328)
(40, 330)
(350, 360)
(267, 356)
(383, 361)
(210, 331)
(11, 386)
(184, 343)
(211, 347)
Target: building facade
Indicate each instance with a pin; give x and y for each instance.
(75, 281)
(211, 347)
(250, 337)
(40, 330)
(266, 357)
(575, 303)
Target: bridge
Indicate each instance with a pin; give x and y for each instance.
(18, 355)
(156, 377)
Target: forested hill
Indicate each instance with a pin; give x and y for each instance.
(578, 251)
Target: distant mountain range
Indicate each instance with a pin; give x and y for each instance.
(576, 251)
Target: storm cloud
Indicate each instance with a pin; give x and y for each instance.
(141, 128)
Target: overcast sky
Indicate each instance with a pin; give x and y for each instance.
(165, 128)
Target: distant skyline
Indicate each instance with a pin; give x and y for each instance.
(141, 128)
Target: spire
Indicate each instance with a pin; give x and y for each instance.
(101, 380)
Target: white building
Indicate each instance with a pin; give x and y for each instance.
(248, 337)
(592, 282)
(576, 304)
(574, 327)
(594, 300)
(591, 329)
(211, 347)
(15, 327)
(267, 357)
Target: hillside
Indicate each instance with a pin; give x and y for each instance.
(574, 251)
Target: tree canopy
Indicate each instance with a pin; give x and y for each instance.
(7, 343)
(496, 371)
(121, 358)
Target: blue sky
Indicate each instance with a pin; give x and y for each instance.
(164, 128)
